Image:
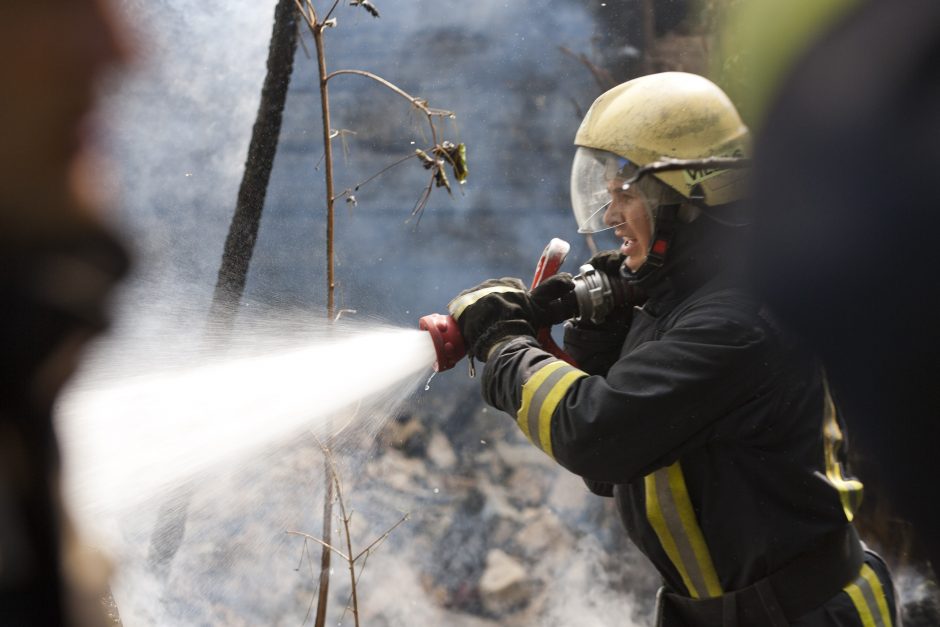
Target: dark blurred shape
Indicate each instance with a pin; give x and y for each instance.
(845, 250)
(57, 265)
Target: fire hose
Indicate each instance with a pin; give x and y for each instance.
(595, 295)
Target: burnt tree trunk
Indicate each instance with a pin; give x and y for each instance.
(243, 230)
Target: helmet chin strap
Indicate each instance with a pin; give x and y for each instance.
(667, 220)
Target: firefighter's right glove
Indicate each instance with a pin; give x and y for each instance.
(499, 309)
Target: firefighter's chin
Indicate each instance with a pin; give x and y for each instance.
(635, 257)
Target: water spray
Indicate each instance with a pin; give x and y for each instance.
(595, 296)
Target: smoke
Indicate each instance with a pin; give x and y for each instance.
(178, 130)
(605, 600)
(179, 126)
(918, 595)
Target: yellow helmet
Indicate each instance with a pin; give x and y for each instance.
(671, 114)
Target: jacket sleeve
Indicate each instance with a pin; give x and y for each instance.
(594, 350)
(652, 402)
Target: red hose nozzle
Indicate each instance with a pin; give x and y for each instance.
(448, 343)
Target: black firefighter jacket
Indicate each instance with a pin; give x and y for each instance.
(52, 293)
(714, 432)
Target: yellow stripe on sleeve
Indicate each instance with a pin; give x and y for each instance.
(541, 395)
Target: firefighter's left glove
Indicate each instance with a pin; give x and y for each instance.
(498, 309)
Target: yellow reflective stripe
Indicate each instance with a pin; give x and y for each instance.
(541, 394)
(850, 490)
(669, 510)
(878, 592)
(869, 599)
(551, 402)
(654, 513)
(692, 530)
(460, 303)
(868, 596)
(528, 391)
(861, 606)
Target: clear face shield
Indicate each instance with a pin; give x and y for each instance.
(602, 204)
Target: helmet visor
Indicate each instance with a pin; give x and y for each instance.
(599, 197)
(591, 172)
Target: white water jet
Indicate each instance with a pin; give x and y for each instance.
(125, 440)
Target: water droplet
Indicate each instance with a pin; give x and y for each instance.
(427, 386)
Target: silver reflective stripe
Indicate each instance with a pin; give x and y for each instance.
(460, 303)
(538, 400)
(542, 392)
(670, 513)
(869, 599)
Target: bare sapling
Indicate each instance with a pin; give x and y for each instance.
(355, 562)
(436, 158)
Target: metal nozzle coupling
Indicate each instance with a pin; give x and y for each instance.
(596, 294)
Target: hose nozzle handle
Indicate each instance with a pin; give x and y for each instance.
(448, 342)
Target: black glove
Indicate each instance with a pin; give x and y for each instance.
(551, 297)
(608, 261)
(498, 309)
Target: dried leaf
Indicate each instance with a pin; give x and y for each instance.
(456, 156)
(365, 4)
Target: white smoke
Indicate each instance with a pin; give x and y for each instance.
(178, 131)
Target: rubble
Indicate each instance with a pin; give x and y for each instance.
(499, 524)
(504, 585)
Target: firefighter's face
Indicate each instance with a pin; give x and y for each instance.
(629, 215)
(52, 53)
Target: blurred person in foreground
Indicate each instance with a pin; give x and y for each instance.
(57, 264)
(708, 422)
(846, 228)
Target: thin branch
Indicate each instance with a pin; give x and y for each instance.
(348, 191)
(318, 541)
(309, 19)
(330, 12)
(601, 76)
(419, 103)
(340, 313)
(382, 538)
(303, 44)
(313, 597)
(422, 201)
(346, 517)
(312, 10)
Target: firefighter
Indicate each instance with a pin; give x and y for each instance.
(861, 153)
(57, 265)
(710, 425)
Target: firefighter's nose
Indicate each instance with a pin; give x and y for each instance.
(611, 215)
